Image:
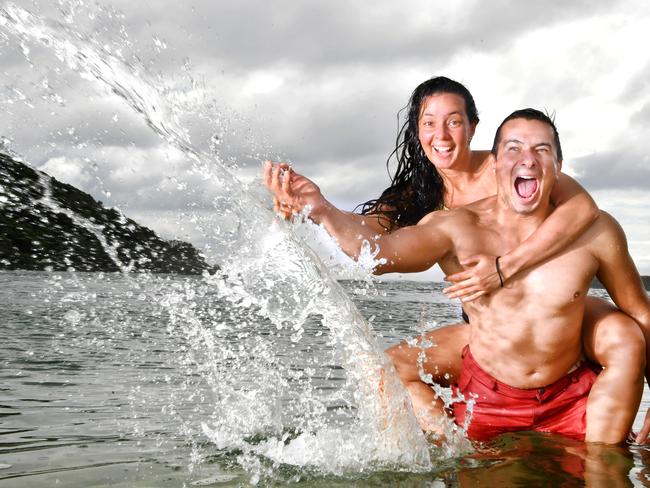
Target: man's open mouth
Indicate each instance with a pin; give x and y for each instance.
(526, 186)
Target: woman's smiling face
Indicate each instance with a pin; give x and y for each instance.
(444, 129)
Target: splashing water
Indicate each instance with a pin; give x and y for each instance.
(96, 230)
(239, 328)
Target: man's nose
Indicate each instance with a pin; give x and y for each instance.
(528, 158)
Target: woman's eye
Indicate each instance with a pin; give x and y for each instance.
(454, 123)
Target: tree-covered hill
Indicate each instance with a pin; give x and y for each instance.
(48, 224)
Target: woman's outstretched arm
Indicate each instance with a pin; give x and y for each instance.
(294, 193)
(408, 249)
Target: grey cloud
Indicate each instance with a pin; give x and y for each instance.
(625, 168)
(137, 180)
(613, 169)
(637, 86)
(319, 36)
(641, 119)
(341, 138)
(243, 34)
(352, 182)
(57, 107)
(324, 128)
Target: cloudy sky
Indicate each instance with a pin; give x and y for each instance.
(319, 84)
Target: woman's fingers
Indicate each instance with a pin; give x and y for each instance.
(473, 296)
(642, 437)
(277, 178)
(457, 287)
(292, 191)
(276, 185)
(282, 209)
(481, 274)
(460, 276)
(467, 294)
(277, 205)
(286, 183)
(459, 292)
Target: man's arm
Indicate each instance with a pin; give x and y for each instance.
(621, 279)
(574, 212)
(618, 273)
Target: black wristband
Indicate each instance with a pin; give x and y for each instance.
(501, 280)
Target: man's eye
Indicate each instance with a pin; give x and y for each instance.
(512, 148)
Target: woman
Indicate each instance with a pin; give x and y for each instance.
(437, 170)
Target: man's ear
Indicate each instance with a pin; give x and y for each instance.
(559, 166)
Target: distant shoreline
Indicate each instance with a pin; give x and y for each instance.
(595, 284)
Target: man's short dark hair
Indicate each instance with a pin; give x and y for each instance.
(529, 114)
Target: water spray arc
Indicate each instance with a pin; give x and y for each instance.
(269, 270)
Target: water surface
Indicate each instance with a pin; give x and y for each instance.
(100, 388)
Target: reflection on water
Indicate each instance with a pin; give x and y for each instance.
(529, 459)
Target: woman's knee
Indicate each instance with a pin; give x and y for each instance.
(437, 354)
(610, 336)
(404, 359)
(619, 339)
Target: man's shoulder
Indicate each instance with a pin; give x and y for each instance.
(455, 216)
(606, 224)
(604, 232)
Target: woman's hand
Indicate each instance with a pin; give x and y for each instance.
(292, 192)
(480, 278)
(642, 437)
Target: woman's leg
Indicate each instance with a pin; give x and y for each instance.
(437, 355)
(615, 341)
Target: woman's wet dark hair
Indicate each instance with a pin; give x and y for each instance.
(416, 188)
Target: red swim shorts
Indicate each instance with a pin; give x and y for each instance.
(498, 408)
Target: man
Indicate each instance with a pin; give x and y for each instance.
(523, 366)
